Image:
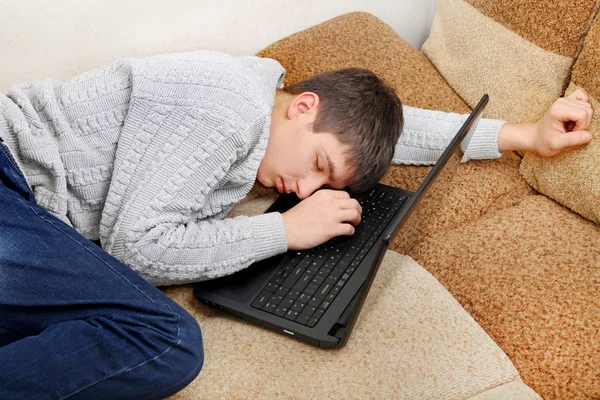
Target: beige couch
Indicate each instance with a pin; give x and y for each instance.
(524, 267)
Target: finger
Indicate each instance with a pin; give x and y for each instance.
(338, 194)
(344, 230)
(352, 216)
(578, 94)
(571, 139)
(583, 105)
(346, 204)
(565, 113)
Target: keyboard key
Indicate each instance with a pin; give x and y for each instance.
(318, 313)
(331, 296)
(311, 289)
(280, 311)
(282, 291)
(302, 319)
(304, 298)
(271, 287)
(302, 282)
(325, 305)
(291, 315)
(314, 302)
(318, 280)
(312, 270)
(291, 280)
(318, 261)
(277, 280)
(332, 280)
(312, 322)
(297, 306)
(276, 299)
(261, 300)
(337, 272)
(329, 263)
(294, 259)
(287, 302)
(310, 310)
(269, 307)
(323, 290)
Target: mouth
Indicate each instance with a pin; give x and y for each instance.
(280, 186)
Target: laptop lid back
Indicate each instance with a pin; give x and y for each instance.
(469, 124)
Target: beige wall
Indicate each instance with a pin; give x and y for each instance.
(61, 38)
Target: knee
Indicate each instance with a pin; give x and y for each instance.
(191, 343)
(187, 356)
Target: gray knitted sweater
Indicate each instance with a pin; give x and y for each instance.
(149, 155)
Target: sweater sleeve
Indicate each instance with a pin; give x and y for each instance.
(170, 231)
(427, 133)
(177, 252)
(195, 133)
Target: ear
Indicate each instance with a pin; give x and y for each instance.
(305, 103)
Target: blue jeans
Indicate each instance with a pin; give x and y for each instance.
(75, 322)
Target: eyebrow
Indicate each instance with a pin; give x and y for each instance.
(330, 164)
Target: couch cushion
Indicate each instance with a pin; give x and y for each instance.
(362, 40)
(520, 52)
(573, 176)
(530, 275)
(462, 192)
(412, 340)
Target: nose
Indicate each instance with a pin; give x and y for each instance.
(306, 187)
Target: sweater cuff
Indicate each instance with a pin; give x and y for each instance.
(481, 142)
(268, 231)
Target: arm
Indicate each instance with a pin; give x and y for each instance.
(427, 133)
(175, 252)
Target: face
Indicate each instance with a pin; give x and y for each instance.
(298, 160)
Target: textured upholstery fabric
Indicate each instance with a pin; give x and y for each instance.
(523, 63)
(530, 275)
(412, 340)
(573, 176)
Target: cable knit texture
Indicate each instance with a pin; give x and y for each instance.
(427, 133)
(148, 155)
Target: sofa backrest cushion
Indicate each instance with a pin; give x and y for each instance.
(519, 52)
(573, 176)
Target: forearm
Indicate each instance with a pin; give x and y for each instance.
(427, 134)
(181, 253)
(515, 137)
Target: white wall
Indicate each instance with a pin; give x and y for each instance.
(61, 38)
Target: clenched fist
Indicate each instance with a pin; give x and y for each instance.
(320, 217)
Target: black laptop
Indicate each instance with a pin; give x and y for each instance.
(315, 295)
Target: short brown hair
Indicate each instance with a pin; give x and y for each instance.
(363, 112)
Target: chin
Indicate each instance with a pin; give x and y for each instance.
(263, 181)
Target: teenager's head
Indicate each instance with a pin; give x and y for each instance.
(335, 129)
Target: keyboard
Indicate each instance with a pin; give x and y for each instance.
(308, 281)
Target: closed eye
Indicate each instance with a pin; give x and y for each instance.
(317, 164)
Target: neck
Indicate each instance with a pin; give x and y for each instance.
(282, 102)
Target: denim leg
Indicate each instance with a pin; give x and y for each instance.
(77, 323)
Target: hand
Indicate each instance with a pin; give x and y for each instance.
(564, 125)
(320, 217)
